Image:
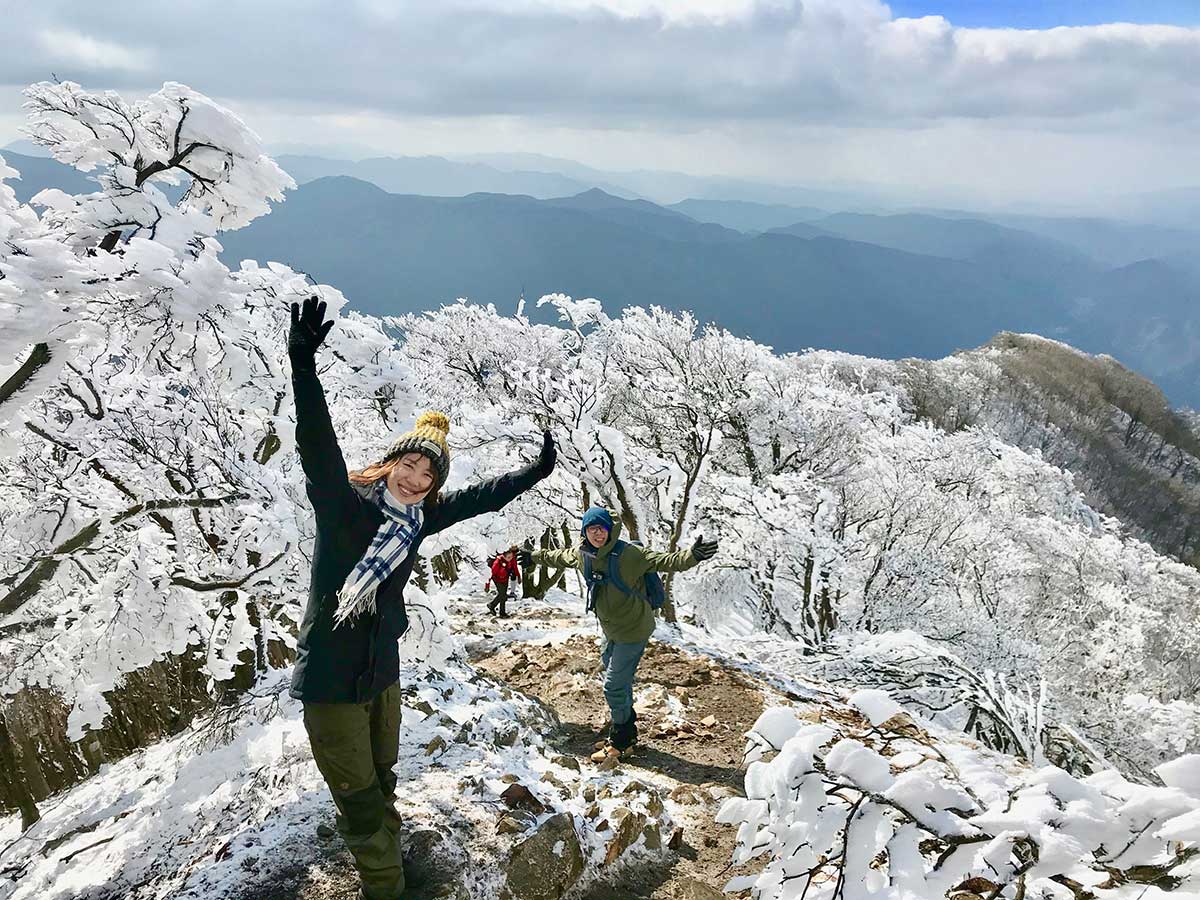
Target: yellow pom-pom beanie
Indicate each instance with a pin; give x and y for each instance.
(429, 439)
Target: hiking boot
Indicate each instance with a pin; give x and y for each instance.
(603, 751)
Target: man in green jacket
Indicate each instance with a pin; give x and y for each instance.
(627, 620)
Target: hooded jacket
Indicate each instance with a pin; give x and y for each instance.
(504, 568)
(623, 618)
(358, 660)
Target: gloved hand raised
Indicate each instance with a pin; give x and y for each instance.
(525, 558)
(703, 549)
(549, 455)
(307, 332)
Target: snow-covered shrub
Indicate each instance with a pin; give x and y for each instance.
(884, 810)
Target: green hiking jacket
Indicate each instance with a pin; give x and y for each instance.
(624, 619)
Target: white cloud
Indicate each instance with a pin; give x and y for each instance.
(63, 45)
(751, 86)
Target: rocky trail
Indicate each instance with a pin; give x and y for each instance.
(692, 717)
(498, 796)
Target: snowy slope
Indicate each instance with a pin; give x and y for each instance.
(230, 809)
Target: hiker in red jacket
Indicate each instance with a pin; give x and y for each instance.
(504, 567)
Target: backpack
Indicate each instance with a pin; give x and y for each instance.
(653, 590)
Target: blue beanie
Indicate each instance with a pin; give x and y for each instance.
(597, 515)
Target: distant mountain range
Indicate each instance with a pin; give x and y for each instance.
(792, 276)
(546, 177)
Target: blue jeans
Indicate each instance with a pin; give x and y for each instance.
(620, 661)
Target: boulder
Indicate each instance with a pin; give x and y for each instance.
(546, 864)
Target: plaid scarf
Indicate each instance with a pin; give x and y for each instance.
(388, 548)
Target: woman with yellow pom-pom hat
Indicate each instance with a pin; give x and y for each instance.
(370, 524)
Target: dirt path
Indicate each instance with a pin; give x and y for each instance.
(692, 717)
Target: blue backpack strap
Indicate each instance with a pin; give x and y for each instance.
(614, 573)
(589, 584)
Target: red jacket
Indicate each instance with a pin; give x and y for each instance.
(503, 569)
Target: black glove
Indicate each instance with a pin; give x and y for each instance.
(703, 549)
(549, 455)
(525, 558)
(307, 332)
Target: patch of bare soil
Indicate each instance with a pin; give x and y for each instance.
(329, 874)
(692, 718)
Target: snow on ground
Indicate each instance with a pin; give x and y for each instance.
(230, 808)
(216, 811)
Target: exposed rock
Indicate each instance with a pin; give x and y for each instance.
(627, 832)
(691, 889)
(720, 791)
(687, 795)
(517, 821)
(507, 736)
(610, 764)
(517, 796)
(437, 745)
(676, 841)
(434, 861)
(546, 864)
(589, 793)
(567, 762)
(653, 836)
(654, 805)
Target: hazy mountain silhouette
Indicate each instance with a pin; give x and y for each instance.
(1147, 314)
(433, 176)
(1017, 253)
(746, 216)
(393, 254)
(41, 172)
(1108, 241)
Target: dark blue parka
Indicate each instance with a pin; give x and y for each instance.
(359, 659)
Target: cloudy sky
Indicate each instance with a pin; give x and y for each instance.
(996, 98)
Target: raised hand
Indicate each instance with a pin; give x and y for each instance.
(703, 549)
(549, 455)
(307, 331)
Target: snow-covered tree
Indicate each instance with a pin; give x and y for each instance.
(150, 498)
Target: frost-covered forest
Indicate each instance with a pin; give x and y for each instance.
(934, 542)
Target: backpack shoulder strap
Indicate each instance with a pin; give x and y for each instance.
(614, 570)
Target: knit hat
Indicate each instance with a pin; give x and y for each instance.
(429, 439)
(597, 515)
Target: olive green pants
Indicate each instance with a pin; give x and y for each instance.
(355, 746)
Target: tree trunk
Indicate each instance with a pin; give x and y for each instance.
(15, 783)
(445, 566)
(18, 379)
(537, 581)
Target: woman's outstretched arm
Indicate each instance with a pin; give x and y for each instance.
(491, 495)
(325, 479)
